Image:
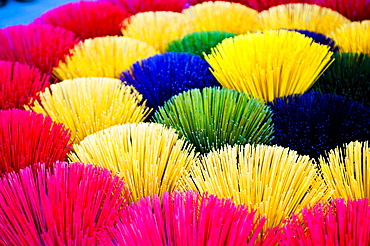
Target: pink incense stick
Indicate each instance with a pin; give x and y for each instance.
(42, 46)
(338, 223)
(66, 204)
(185, 219)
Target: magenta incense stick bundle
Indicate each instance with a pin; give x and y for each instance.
(186, 218)
(62, 205)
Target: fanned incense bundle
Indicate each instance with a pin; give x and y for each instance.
(338, 223)
(150, 157)
(269, 65)
(160, 27)
(313, 123)
(348, 76)
(160, 77)
(346, 170)
(353, 37)
(185, 218)
(88, 105)
(87, 19)
(103, 57)
(42, 46)
(354, 10)
(137, 6)
(249, 3)
(222, 16)
(215, 117)
(198, 43)
(274, 180)
(258, 5)
(301, 16)
(27, 138)
(319, 38)
(19, 84)
(63, 205)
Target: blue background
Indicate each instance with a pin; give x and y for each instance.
(15, 13)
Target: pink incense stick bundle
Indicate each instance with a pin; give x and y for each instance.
(185, 218)
(19, 84)
(138, 6)
(87, 19)
(27, 138)
(42, 46)
(338, 223)
(66, 204)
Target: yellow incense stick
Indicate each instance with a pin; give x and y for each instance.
(347, 170)
(157, 28)
(301, 16)
(269, 65)
(353, 37)
(274, 180)
(150, 157)
(88, 105)
(223, 16)
(103, 57)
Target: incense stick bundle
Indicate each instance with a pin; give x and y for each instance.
(160, 77)
(138, 6)
(88, 19)
(354, 10)
(186, 218)
(42, 46)
(346, 170)
(150, 157)
(19, 84)
(274, 180)
(353, 37)
(301, 16)
(66, 204)
(348, 76)
(222, 16)
(269, 65)
(103, 57)
(313, 123)
(88, 105)
(198, 43)
(160, 28)
(27, 138)
(338, 223)
(214, 117)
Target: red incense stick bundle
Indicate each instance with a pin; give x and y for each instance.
(27, 138)
(88, 19)
(19, 84)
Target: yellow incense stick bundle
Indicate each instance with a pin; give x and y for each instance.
(301, 16)
(353, 37)
(157, 28)
(347, 170)
(274, 180)
(269, 65)
(88, 105)
(223, 16)
(103, 57)
(150, 157)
